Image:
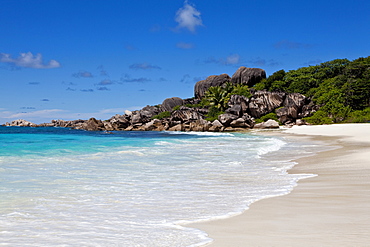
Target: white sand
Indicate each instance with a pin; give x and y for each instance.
(332, 209)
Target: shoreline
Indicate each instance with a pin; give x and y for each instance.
(330, 209)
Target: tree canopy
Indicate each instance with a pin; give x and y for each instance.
(340, 87)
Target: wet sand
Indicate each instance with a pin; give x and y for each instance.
(331, 209)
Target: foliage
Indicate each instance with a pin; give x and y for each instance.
(242, 90)
(359, 116)
(340, 87)
(319, 117)
(266, 117)
(213, 114)
(162, 115)
(176, 108)
(193, 105)
(218, 97)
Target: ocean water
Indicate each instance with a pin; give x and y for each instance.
(62, 187)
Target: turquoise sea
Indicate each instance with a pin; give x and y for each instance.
(63, 187)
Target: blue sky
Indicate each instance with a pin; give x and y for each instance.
(95, 58)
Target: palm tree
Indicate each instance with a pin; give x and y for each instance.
(218, 97)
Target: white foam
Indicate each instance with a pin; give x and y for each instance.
(139, 196)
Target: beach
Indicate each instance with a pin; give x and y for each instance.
(330, 209)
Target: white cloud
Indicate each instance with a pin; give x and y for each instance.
(82, 73)
(233, 59)
(183, 45)
(143, 66)
(28, 60)
(106, 82)
(188, 17)
(287, 44)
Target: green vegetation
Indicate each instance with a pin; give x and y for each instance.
(162, 115)
(216, 98)
(340, 87)
(176, 108)
(213, 114)
(268, 116)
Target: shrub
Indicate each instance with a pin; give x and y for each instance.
(213, 114)
(268, 116)
(162, 115)
(319, 117)
(359, 116)
(176, 108)
(242, 90)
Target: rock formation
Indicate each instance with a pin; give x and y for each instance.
(170, 103)
(212, 81)
(248, 76)
(240, 115)
(263, 102)
(21, 122)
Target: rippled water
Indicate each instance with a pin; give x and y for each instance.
(62, 187)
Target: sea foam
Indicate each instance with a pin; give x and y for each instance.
(133, 189)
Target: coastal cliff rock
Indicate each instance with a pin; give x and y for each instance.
(192, 113)
(263, 102)
(248, 76)
(21, 123)
(169, 103)
(269, 124)
(212, 81)
(226, 119)
(120, 122)
(186, 114)
(240, 100)
(92, 125)
(293, 104)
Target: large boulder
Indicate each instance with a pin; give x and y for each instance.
(226, 118)
(212, 81)
(136, 118)
(91, 125)
(186, 114)
(263, 102)
(169, 103)
(248, 76)
(269, 124)
(308, 110)
(200, 125)
(239, 100)
(155, 124)
(293, 105)
(120, 122)
(149, 111)
(235, 110)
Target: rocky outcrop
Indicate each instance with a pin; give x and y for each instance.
(212, 81)
(241, 113)
(21, 123)
(263, 102)
(269, 124)
(226, 119)
(248, 76)
(119, 122)
(186, 114)
(240, 100)
(293, 104)
(170, 103)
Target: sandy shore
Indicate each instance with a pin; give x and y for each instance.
(332, 209)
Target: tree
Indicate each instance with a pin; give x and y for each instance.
(217, 97)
